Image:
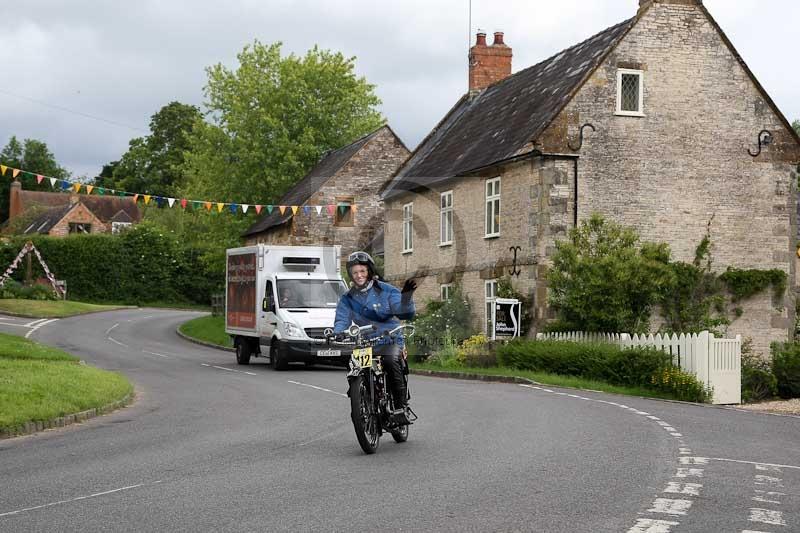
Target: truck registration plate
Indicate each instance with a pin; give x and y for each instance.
(329, 353)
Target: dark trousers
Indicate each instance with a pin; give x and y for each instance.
(393, 367)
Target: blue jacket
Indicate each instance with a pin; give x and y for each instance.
(378, 306)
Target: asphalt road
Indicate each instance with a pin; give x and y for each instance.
(212, 446)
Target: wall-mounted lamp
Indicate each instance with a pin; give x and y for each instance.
(580, 138)
(764, 139)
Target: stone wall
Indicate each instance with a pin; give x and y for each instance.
(79, 215)
(683, 168)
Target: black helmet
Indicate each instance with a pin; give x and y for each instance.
(361, 258)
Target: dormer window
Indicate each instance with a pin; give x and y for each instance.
(630, 92)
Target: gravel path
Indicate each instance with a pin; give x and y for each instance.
(787, 407)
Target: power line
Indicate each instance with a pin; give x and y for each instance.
(79, 113)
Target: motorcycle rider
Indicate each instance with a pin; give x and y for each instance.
(373, 302)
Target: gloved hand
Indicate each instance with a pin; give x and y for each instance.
(408, 289)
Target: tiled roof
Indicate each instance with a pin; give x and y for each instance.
(329, 165)
(45, 222)
(103, 207)
(497, 123)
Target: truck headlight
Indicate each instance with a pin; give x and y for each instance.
(293, 330)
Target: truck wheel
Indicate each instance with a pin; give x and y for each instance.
(277, 361)
(243, 351)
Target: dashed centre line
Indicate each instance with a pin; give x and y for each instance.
(317, 388)
(228, 369)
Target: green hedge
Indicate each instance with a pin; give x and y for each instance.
(786, 368)
(138, 266)
(645, 367)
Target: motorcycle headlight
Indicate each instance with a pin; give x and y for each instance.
(293, 330)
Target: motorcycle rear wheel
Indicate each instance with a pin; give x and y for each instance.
(365, 420)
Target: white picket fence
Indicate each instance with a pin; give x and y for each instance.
(715, 362)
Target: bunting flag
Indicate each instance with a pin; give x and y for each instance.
(233, 207)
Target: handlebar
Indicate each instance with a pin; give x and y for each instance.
(355, 332)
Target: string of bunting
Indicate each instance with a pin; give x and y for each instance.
(28, 248)
(161, 201)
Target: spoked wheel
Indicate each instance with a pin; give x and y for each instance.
(400, 434)
(365, 419)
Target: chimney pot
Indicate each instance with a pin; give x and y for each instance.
(498, 38)
(481, 40)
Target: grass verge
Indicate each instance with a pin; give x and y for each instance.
(39, 383)
(51, 308)
(555, 380)
(208, 329)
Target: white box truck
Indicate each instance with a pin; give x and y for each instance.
(280, 299)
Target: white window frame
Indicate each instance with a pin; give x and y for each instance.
(492, 207)
(620, 111)
(445, 291)
(408, 228)
(490, 295)
(446, 218)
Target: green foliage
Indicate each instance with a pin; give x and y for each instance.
(12, 289)
(32, 156)
(153, 164)
(209, 329)
(786, 368)
(758, 381)
(442, 323)
(695, 302)
(273, 118)
(477, 352)
(141, 265)
(743, 284)
(645, 367)
(796, 126)
(602, 280)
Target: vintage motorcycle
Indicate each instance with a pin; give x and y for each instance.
(372, 408)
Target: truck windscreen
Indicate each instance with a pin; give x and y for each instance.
(309, 293)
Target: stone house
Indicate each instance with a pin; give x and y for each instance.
(349, 180)
(656, 123)
(60, 214)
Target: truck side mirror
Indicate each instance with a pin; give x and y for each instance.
(264, 305)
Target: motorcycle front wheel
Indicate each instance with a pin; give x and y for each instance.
(400, 434)
(365, 418)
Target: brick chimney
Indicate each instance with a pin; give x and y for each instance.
(488, 64)
(15, 199)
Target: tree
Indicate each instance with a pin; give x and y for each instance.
(796, 126)
(603, 279)
(152, 164)
(32, 157)
(272, 119)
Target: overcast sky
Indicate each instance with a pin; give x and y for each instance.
(85, 76)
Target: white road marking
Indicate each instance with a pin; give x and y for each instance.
(692, 489)
(112, 327)
(116, 341)
(229, 369)
(155, 353)
(689, 472)
(318, 388)
(670, 507)
(693, 460)
(13, 324)
(684, 450)
(31, 324)
(95, 495)
(768, 468)
(768, 480)
(646, 525)
(40, 324)
(749, 530)
(766, 516)
(753, 463)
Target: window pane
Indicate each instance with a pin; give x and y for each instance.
(630, 92)
(449, 220)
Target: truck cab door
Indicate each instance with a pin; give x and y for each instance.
(269, 318)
